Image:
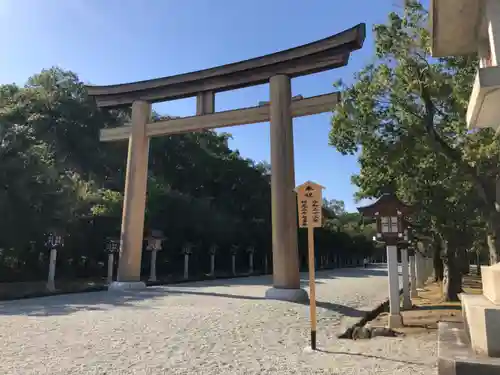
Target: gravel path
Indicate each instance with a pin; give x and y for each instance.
(213, 327)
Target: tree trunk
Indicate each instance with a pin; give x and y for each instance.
(463, 258)
(438, 264)
(493, 239)
(452, 275)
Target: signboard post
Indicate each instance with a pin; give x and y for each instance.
(309, 199)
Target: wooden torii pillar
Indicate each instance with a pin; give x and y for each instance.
(277, 69)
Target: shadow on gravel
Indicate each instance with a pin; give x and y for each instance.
(68, 304)
(351, 272)
(103, 301)
(243, 281)
(65, 304)
(374, 357)
(341, 309)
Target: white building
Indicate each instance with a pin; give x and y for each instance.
(461, 27)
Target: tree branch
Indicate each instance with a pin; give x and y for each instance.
(454, 155)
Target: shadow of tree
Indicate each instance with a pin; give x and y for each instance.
(243, 281)
(350, 272)
(341, 309)
(102, 301)
(68, 304)
(63, 304)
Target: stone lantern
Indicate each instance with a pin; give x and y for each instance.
(234, 250)
(112, 247)
(389, 213)
(154, 244)
(250, 251)
(187, 250)
(403, 246)
(212, 251)
(55, 241)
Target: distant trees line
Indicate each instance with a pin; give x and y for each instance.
(57, 176)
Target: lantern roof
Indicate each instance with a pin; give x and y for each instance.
(387, 204)
(155, 233)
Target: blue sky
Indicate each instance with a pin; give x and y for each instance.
(116, 41)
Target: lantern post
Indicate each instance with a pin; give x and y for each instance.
(112, 248)
(212, 251)
(55, 241)
(154, 240)
(389, 213)
(407, 304)
(187, 250)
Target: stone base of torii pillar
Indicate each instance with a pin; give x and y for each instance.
(123, 286)
(292, 295)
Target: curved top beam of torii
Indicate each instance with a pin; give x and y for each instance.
(321, 55)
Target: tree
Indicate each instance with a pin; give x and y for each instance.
(55, 173)
(407, 113)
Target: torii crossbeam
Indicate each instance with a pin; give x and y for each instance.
(244, 116)
(277, 69)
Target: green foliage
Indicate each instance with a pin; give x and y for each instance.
(56, 174)
(405, 115)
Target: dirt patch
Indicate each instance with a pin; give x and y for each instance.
(429, 308)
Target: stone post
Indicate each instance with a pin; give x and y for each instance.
(234, 251)
(152, 268)
(186, 266)
(406, 280)
(395, 319)
(430, 268)
(286, 278)
(250, 252)
(129, 264)
(212, 251)
(52, 270)
(413, 277)
(426, 269)
(420, 270)
(187, 250)
(212, 264)
(111, 259)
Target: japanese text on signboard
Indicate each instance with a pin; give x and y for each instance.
(303, 213)
(309, 205)
(316, 213)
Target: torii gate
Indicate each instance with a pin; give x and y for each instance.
(277, 69)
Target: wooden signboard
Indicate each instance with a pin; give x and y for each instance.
(309, 196)
(309, 199)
